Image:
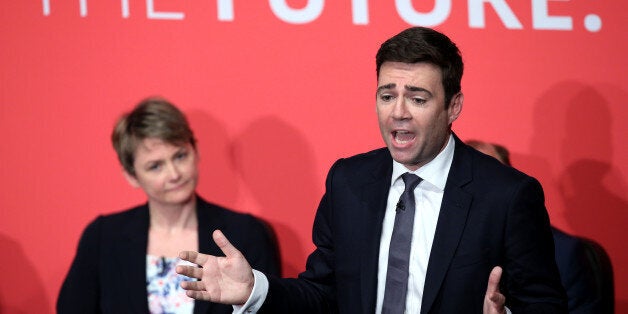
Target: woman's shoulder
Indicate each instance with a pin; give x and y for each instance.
(222, 213)
(220, 217)
(126, 214)
(118, 220)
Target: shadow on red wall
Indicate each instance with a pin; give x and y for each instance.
(217, 178)
(21, 288)
(276, 163)
(572, 150)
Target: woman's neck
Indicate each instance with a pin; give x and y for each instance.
(173, 218)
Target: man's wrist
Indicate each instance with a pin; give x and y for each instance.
(257, 297)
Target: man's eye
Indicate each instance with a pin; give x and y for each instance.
(418, 101)
(386, 97)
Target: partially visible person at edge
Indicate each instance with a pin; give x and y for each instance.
(125, 261)
(472, 214)
(576, 272)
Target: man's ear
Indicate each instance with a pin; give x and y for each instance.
(455, 107)
(131, 179)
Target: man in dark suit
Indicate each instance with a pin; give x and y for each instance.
(576, 271)
(471, 213)
(577, 274)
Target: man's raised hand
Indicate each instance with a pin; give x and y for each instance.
(222, 279)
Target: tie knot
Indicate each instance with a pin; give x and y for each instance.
(410, 180)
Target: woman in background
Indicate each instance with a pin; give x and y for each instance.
(125, 261)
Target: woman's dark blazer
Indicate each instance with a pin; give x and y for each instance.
(108, 274)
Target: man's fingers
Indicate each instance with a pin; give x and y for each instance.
(497, 298)
(190, 271)
(193, 285)
(194, 257)
(198, 295)
(494, 301)
(224, 244)
(493, 280)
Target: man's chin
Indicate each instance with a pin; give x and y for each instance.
(405, 159)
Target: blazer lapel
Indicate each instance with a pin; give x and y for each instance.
(374, 197)
(451, 222)
(131, 259)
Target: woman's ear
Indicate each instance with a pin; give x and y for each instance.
(131, 179)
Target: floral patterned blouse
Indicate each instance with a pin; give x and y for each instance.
(165, 295)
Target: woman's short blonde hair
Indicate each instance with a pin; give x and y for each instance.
(153, 117)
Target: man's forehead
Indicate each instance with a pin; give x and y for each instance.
(408, 65)
(419, 70)
(410, 77)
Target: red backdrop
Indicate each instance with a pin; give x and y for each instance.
(276, 91)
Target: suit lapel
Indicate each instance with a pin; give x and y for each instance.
(130, 255)
(374, 197)
(451, 223)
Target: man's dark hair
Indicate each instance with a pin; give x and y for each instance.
(421, 44)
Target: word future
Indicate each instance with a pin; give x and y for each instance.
(541, 20)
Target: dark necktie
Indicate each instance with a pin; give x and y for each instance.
(399, 253)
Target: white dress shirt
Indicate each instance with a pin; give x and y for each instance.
(428, 197)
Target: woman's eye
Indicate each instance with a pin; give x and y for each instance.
(154, 167)
(181, 156)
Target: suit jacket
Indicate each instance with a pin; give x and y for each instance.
(108, 274)
(490, 215)
(576, 274)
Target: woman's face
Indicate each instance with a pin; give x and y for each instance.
(167, 173)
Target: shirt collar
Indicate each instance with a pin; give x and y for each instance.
(434, 172)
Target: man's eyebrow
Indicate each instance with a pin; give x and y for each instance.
(387, 86)
(417, 89)
(409, 88)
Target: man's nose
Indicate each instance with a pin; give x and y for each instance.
(400, 109)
